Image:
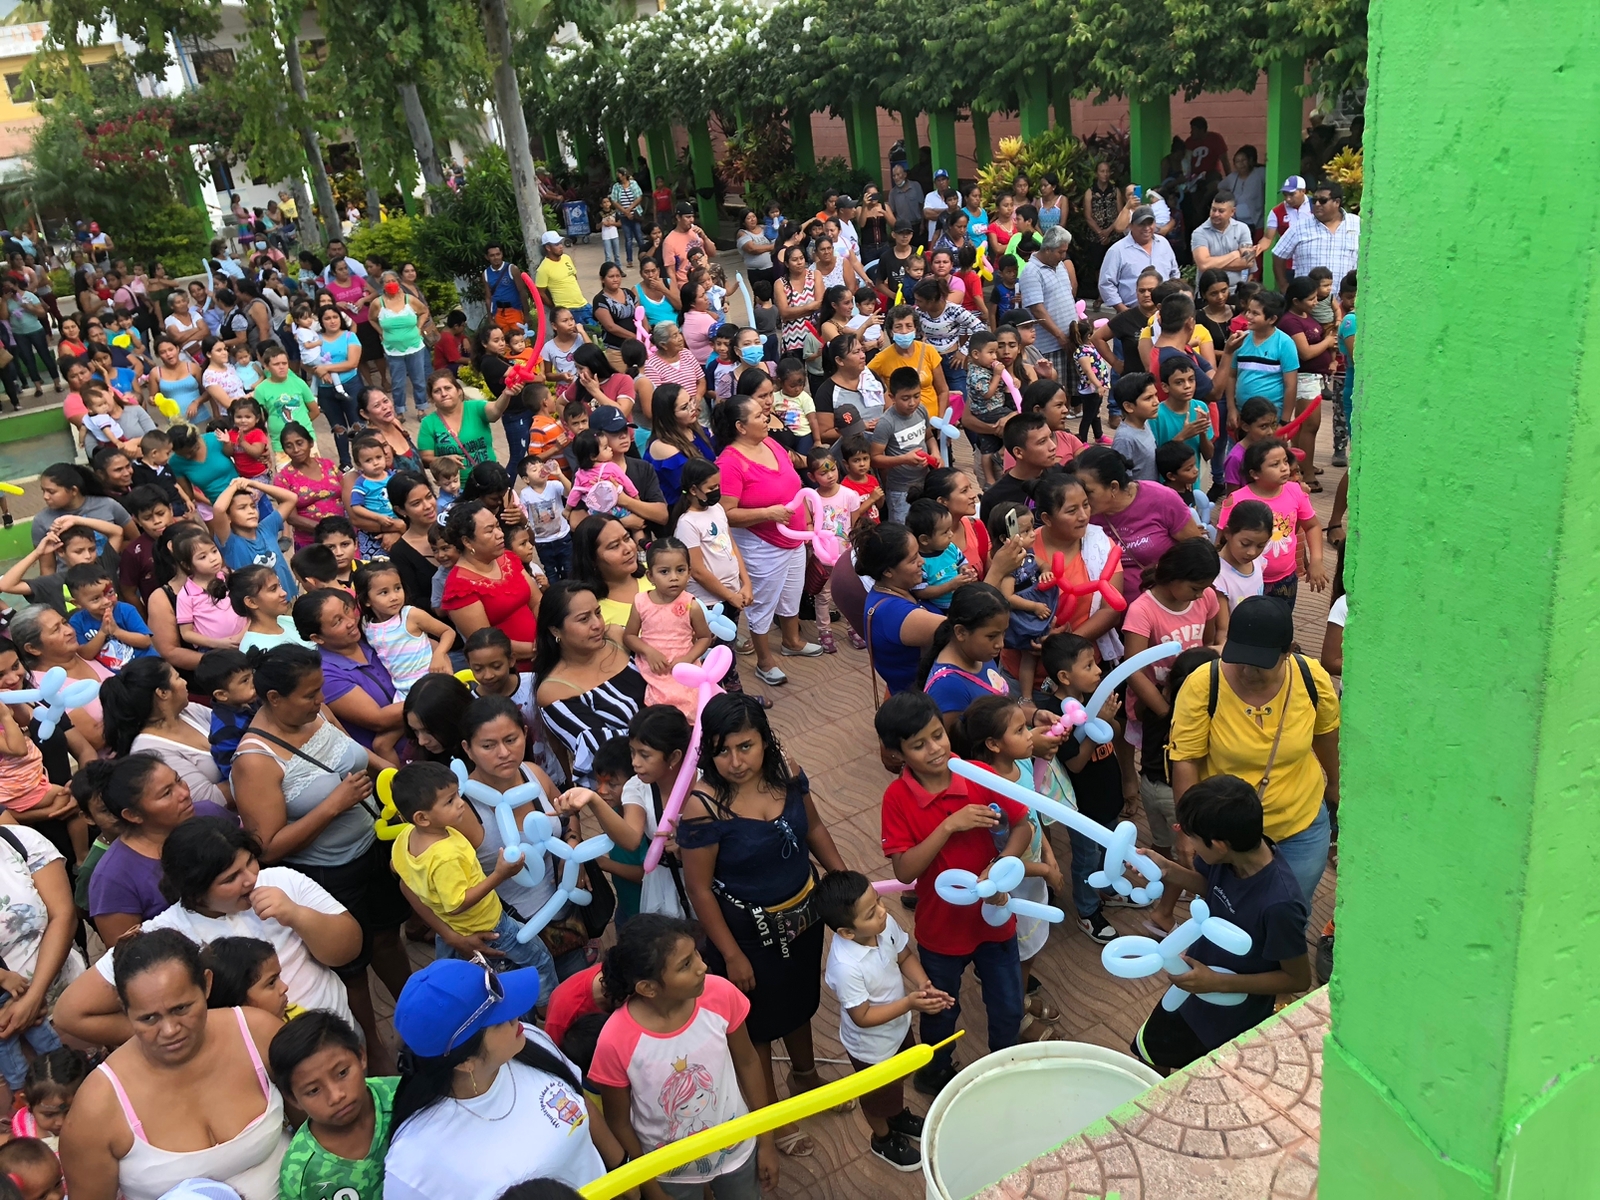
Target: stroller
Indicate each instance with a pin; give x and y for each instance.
(575, 213)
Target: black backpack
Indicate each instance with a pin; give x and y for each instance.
(1216, 683)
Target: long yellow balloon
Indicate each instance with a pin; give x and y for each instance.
(763, 1120)
(12, 488)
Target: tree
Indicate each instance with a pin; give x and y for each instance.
(513, 123)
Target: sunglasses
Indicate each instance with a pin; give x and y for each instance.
(1322, 199)
(494, 994)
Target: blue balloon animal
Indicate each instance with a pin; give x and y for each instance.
(1138, 957)
(722, 629)
(956, 886)
(1098, 731)
(57, 695)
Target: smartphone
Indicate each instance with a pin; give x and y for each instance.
(1138, 192)
(1011, 523)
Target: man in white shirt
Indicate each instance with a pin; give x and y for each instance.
(1136, 251)
(1248, 183)
(849, 245)
(336, 251)
(1292, 210)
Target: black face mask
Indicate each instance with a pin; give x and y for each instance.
(714, 496)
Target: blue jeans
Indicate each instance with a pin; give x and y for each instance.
(556, 557)
(531, 953)
(413, 366)
(42, 1037)
(1307, 853)
(584, 316)
(955, 378)
(516, 424)
(342, 414)
(898, 505)
(1087, 858)
(632, 235)
(999, 971)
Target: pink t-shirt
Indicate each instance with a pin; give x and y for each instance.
(747, 484)
(350, 293)
(210, 618)
(1290, 507)
(838, 510)
(1145, 530)
(1158, 623)
(681, 1082)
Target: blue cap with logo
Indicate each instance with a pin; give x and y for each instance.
(445, 1003)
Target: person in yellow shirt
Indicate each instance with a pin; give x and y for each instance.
(557, 281)
(906, 349)
(435, 856)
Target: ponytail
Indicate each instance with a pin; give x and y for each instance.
(984, 720)
(971, 605)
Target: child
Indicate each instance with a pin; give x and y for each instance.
(565, 338)
(316, 567)
(339, 536)
(726, 362)
(574, 419)
(1003, 296)
(519, 541)
(792, 404)
(1072, 672)
(1176, 464)
(869, 961)
(1258, 422)
(72, 547)
(450, 351)
(541, 497)
(256, 594)
(988, 402)
(1323, 305)
(599, 478)
(137, 573)
(774, 220)
(446, 555)
(408, 641)
(765, 317)
(244, 366)
(994, 732)
(252, 453)
(369, 498)
(716, 567)
(248, 537)
(837, 514)
(868, 322)
(1094, 380)
(1032, 607)
(438, 862)
(933, 820)
(1267, 363)
(48, 1091)
(229, 679)
(716, 289)
(675, 1058)
(41, 1036)
(99, 426)
(308, 337)
(1180, 417)
(1266, 471)
(1177, 604)
(1135, 394)
(610, 232)
(944, 567)
(547, 436)
(32, 1167)
(488, 655)
(245, 973)
(206, 621)
(612, 768)
(1237, 871)
(150, 470)
(666, 627)
(517, 349)
(320, 1065)
(855, 452)
(1243, 539)
(110, 631)
(1155, 783)
(906, 441)
(284, 397)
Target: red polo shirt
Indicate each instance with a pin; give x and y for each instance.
(910, 815)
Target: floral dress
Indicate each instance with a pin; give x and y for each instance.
(314, 498)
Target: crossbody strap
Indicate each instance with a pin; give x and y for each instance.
(301, 754)
(1272, 756)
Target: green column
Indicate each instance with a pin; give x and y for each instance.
(663, 155)
(618, 153)
(864, 120)
(552, 145)
(942, 139)
(850, 148)
(1061, 99)
(805, 155)
(189, 179)
(1149, 138)
(1284, 110)
(908, 127)
(982, 151)
(1033, 103)
(582, 148)
(704, 181)
(1461, 1061)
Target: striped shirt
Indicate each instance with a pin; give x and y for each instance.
(1313, 244)
(685, 372)
(950, 329)
(622, 197)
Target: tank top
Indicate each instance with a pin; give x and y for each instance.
(793, 332)
(328, 756)
(182, 392)
(248, 1162)
(402, 333)
(656, 311)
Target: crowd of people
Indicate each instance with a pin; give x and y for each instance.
(290, 576)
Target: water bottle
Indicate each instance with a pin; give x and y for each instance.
(1001, 832)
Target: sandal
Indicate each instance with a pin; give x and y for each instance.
(795, 1088)
(1041, 1008)
(1032, 1029)
(796, 1145)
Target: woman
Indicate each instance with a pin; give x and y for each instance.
(873, 226)
(211, 870)
(588, 689)
(494, 364)
(749, 832)
(601, 383)
(314, 481)
(956, 492)
(201, 461)
(676, 438)
(434, 708)
(851, 383)
(118, 1138)
(495, 1092)
(147, 801)
(1271, 722)
(44, 641)
(488, 585)
(337, 379)
(147, 711)
(832, 270)
(303, 788)
(86, 287)
(698, 322)
(671, 362)
(657, 295)
(114, 469)
(1054, 208)
(71, 343)
(412, 498)
(799, 298)
(838, 310)
(753, 245)
(1144, 519)
(605, 554)
(1022, 189)
(1215, 313)
(898, 626)
(179, 378)
(185, 326)
(411, 283)
(614, 307)
(459, 429)
(1002, 226)
(378, 418)
(356, 685)
(354, 297)
(1318, 345)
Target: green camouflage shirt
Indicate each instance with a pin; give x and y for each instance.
(310, 1173)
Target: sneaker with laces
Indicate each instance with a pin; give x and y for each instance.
(907, 1124)
(930, 1080)
(1097, 927)
(856, 640)
(898, 1152)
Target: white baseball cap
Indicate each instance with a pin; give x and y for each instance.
(551, 238)
(1295, 183)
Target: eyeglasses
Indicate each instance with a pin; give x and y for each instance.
(494, 994)
(1322, 199)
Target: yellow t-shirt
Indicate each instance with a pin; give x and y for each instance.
(1238, 741)
(617, 612)
(559, 277)
(924, 358)
(441, 875)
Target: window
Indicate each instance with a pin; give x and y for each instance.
(21, 93)
(213, 64)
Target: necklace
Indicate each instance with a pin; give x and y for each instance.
(467, 1103)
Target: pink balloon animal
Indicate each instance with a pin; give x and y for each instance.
(705, 676)
(825, 542)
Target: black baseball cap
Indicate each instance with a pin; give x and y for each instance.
(904, 227)
(606, 419)
(685, 209)
(1260, 632)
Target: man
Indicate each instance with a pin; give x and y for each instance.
(933, 210)
(905, 196)
(947, 193)
(1293, 209)
(1223, 243)
(1027, 438)
(557, 281)
(650, 506)
(502, 283)
(628, 196)
(336, 252)
(1327, 241)
(1047, 292)
(685, 236)
(1132, 254)
(849, 240)
(287, 206)
(1248, 183)
(1208, 153)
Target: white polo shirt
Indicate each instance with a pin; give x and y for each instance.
(869, 975)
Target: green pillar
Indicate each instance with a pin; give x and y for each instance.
(942, 139)
(663, 155)
(552, 145)
(704, 181)
(1033, 104)
(582, 149)
(1149, 138)
(189, 179)
(864, 119)
(1061, 99)
(1461, 1061)
(982, 151)
(805, 155)
(850, 147)
(618, 153)
(1284, 110)
(908, 128)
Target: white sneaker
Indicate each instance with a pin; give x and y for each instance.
(809, 650)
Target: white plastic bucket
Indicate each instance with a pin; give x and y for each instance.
(1011, 1106)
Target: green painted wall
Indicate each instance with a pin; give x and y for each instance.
(704, 178)
(805, 155)
(1033, 103)
(1149, 138)
(1467, 990)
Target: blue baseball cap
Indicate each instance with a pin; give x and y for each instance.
(445, 1003)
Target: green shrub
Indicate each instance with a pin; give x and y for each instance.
(450, 243)
(172, 234)
(395, 241)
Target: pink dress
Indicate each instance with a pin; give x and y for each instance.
(666, 627)
(314, 498)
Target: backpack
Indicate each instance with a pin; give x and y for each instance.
(1216, 682)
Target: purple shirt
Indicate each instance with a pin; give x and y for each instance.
(1145, 530)
(341, 675)
(125, 881)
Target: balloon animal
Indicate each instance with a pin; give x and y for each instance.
(705, 677)
(722, 628)
(57, 694)
(1098, 731)
(1137, 957)
(824, 541)
(956, 886)
(1066, 592)
(949, 431)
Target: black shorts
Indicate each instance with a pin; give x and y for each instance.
(371, 343)
(368, 888)
(986, 443)
(1166, 1042)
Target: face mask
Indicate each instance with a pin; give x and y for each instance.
(391, 289)
(903, 341)
(752, 354)
(714, 496)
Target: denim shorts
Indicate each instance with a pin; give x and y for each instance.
(13, 1065)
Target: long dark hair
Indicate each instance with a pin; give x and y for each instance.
(726, 416)
(438, 702)
(665, 425)
(70, 475)
(553, 611)
(695, 472)
(585, 545)
(196, 853)
(970, 606)
(724, 716)
(426, 1081)
(128, 698)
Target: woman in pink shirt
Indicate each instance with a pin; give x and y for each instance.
(758, 482)
(354, 298)
(1178, 605)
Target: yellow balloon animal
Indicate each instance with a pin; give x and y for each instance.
(10, 489)
(763, 1120)
(167, 405)
(388, 824)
